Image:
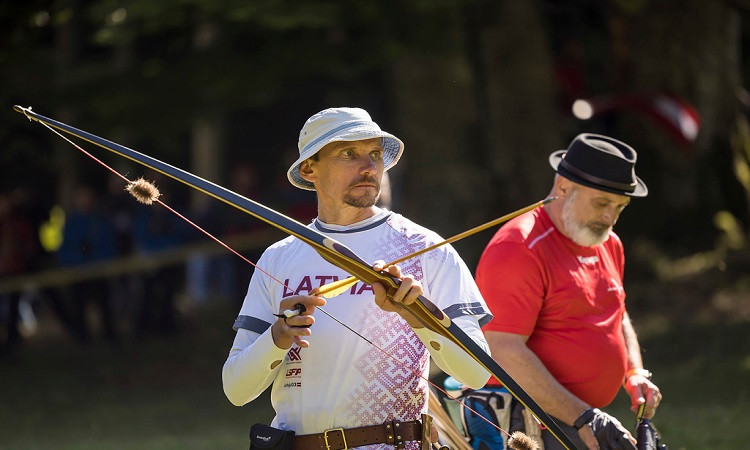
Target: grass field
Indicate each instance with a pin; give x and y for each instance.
(165, 392)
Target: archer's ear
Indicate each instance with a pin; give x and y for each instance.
(562, 186)
(307, 170)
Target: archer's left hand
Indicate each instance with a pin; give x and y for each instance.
(642, 391)
(406, 294)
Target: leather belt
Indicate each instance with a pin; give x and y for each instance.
(394, 432)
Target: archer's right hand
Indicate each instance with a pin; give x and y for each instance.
(291, 330)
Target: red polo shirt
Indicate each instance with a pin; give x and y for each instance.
(568, 299)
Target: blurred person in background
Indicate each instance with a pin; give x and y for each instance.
(244, 179)
(299, 204)
(156, 230)
(225, 276)
(553, 278)
(19, 249)
(89, 237)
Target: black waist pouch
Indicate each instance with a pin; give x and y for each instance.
(266, 437)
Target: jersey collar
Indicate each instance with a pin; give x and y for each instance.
(371, 222)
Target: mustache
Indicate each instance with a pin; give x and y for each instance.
(365, 179)
(599, 226)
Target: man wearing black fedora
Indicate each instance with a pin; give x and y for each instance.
(553, 278)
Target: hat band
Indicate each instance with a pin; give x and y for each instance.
(333, 131)
(626, 187)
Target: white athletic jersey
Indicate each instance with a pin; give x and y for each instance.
(340, 380)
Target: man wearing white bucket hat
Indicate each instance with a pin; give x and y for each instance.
(331, 387)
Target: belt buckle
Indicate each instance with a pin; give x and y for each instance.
(343, 437)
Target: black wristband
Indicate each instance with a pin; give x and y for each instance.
(585, 418)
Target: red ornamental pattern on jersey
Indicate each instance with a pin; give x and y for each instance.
(406, 244)
(391, 390)
(388, 389)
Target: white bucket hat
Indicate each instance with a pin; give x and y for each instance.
(340, 124)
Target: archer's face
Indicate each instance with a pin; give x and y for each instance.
(347, 173)
(589, 214)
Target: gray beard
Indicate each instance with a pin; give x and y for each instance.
(579, 233)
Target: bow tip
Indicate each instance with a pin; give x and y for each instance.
(25, 111)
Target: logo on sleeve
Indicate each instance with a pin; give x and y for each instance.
(294, 354)
(293, 374)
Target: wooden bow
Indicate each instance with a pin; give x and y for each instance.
(332, 251)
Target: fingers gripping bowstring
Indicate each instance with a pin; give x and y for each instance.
(153, 198)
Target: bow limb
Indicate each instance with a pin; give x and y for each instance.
(331, 250)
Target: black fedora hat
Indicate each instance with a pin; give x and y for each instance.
(600, 162)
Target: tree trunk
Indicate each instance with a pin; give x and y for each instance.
(67, 46)
(520, 118)
(207, 157)
(478, 123)
(207, 149)
(436, 178)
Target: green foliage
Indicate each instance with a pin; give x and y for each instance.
(146, 70)
(702, 372)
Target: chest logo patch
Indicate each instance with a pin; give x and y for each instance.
(588, 259)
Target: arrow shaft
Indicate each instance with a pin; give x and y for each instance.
(342, 284)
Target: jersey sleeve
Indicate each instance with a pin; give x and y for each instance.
(260, 304)
(511, 280)
(251, 366)
(254, 358)
(619, 251)
(451, 287)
